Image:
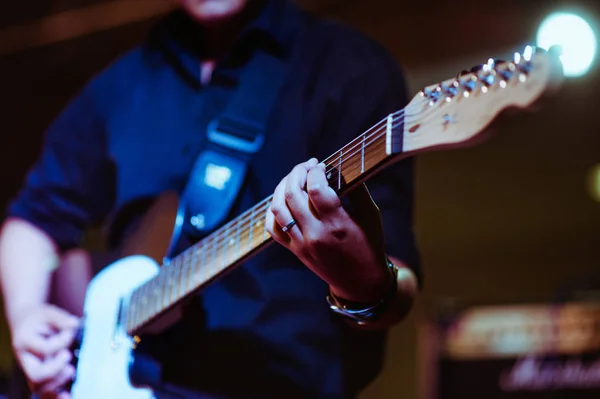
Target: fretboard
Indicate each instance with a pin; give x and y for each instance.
(242, 237)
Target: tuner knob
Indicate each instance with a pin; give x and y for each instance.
(451, 90)
(528, 53)
(487, 79)
(469, 84)
(485, 73)
(517, 58)
(433, 94)
(506, 74)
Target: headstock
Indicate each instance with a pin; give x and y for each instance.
(455, 112)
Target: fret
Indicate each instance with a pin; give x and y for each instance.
(158, 291)
(388, 134)
(232, 243)
(251, 228)
(172, 282)
(237, 239)
(191, 270)
(181, 279)
(190, 274)
(339, 172)
(227, 244)
(188, 282)
(362, 153)
(213, 261)
(165, 287)
(152, 296)
(264, 222)
(201, 267)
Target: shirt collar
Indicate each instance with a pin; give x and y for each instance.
(272, 29)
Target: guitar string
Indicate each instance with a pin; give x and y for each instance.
(221, 235)
(183, 269)
(223, 232)
(182, 263)
(377, 126)
(398, 117)
(243, 227)
(214, 241)
(328, 160)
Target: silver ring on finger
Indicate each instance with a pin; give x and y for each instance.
(289, 226)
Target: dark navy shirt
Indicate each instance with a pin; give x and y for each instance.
(264, 330)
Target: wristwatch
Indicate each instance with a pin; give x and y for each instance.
(363, 314)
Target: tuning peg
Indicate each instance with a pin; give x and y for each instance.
(523, 62)
(506, 71)
(468, 84)
(528, 53)
(517, 58)
(450, 90)
(485, 72)
(432, 94)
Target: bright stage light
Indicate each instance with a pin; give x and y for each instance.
(575, 37)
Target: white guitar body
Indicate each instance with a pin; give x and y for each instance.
(106, 349)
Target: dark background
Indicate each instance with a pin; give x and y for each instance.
(510, 220)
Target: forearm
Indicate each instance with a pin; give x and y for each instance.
(401, 305)
(398, 307)
(27, 258)
(70, 280)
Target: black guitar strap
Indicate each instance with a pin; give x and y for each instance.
(232, 139)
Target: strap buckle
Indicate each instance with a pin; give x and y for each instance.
(236, 137)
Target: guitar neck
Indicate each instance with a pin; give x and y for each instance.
(245, 235)
(451, 114)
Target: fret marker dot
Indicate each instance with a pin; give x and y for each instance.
(231, 242)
